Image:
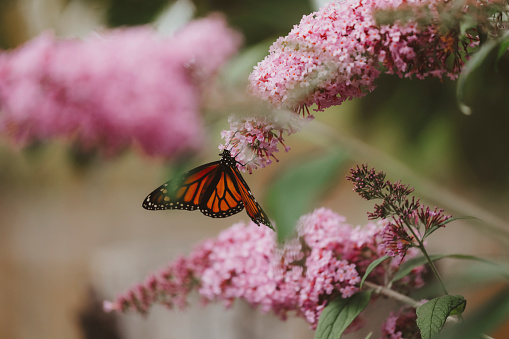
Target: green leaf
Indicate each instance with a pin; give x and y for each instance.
(339, 314)
(457, 218)
(475, 275)
(430, 230)
(459, 309)
(432, 315)
(487, 57)
(408, 266)
(370, 334)
(467, 23)
(241, 65)
(298, 188)
(372, 266)
(503, 45)
(434, 228)
(123, 13)
(474, 64)
(484, 319)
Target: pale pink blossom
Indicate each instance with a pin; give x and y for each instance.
(326, 260)
(336, 53)
(254, 141)
(115, 89)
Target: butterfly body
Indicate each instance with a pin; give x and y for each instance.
(217, 189)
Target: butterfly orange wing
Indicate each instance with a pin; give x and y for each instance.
(253, 209)
(217, 189)
(184, 192)
(222, 197)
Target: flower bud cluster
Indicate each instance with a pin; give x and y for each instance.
(407, 217)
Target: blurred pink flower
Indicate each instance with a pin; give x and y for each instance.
(336, 54)
(325, 260)
(115, 89)
(401, 325)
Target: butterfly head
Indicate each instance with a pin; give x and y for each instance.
(227, 158)
(226, 153)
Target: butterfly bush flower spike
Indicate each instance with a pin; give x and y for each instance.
(326, 260)
(115, 89)
(430, 219)
(408, 221)
(401, 325)
(336, 53)
(395, 239)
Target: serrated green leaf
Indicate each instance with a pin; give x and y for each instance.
(408, 266)
(484, 319)
(372, 266)
(459, 309)
(432, 315)
(339, 314)
(298, 188)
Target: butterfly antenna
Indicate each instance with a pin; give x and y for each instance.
(239, 161)
(248, 162)
(229, 142)
(240, 151)
(227, 146)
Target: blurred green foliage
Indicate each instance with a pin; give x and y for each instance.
(299, 187)
(133, 12)
(430, 132)
(6, 15)
(256, 19)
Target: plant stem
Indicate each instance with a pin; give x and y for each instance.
(415, 234)
(425, 253)
(433, 268)
(392, 294)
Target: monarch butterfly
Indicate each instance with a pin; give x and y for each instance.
(216, 188)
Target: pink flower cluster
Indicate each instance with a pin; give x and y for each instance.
(395, 239)
(335, 54)
(401, 325)
(325, 260)
(115, 89)
(253, 141)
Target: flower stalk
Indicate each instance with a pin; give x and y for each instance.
(409, 222)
